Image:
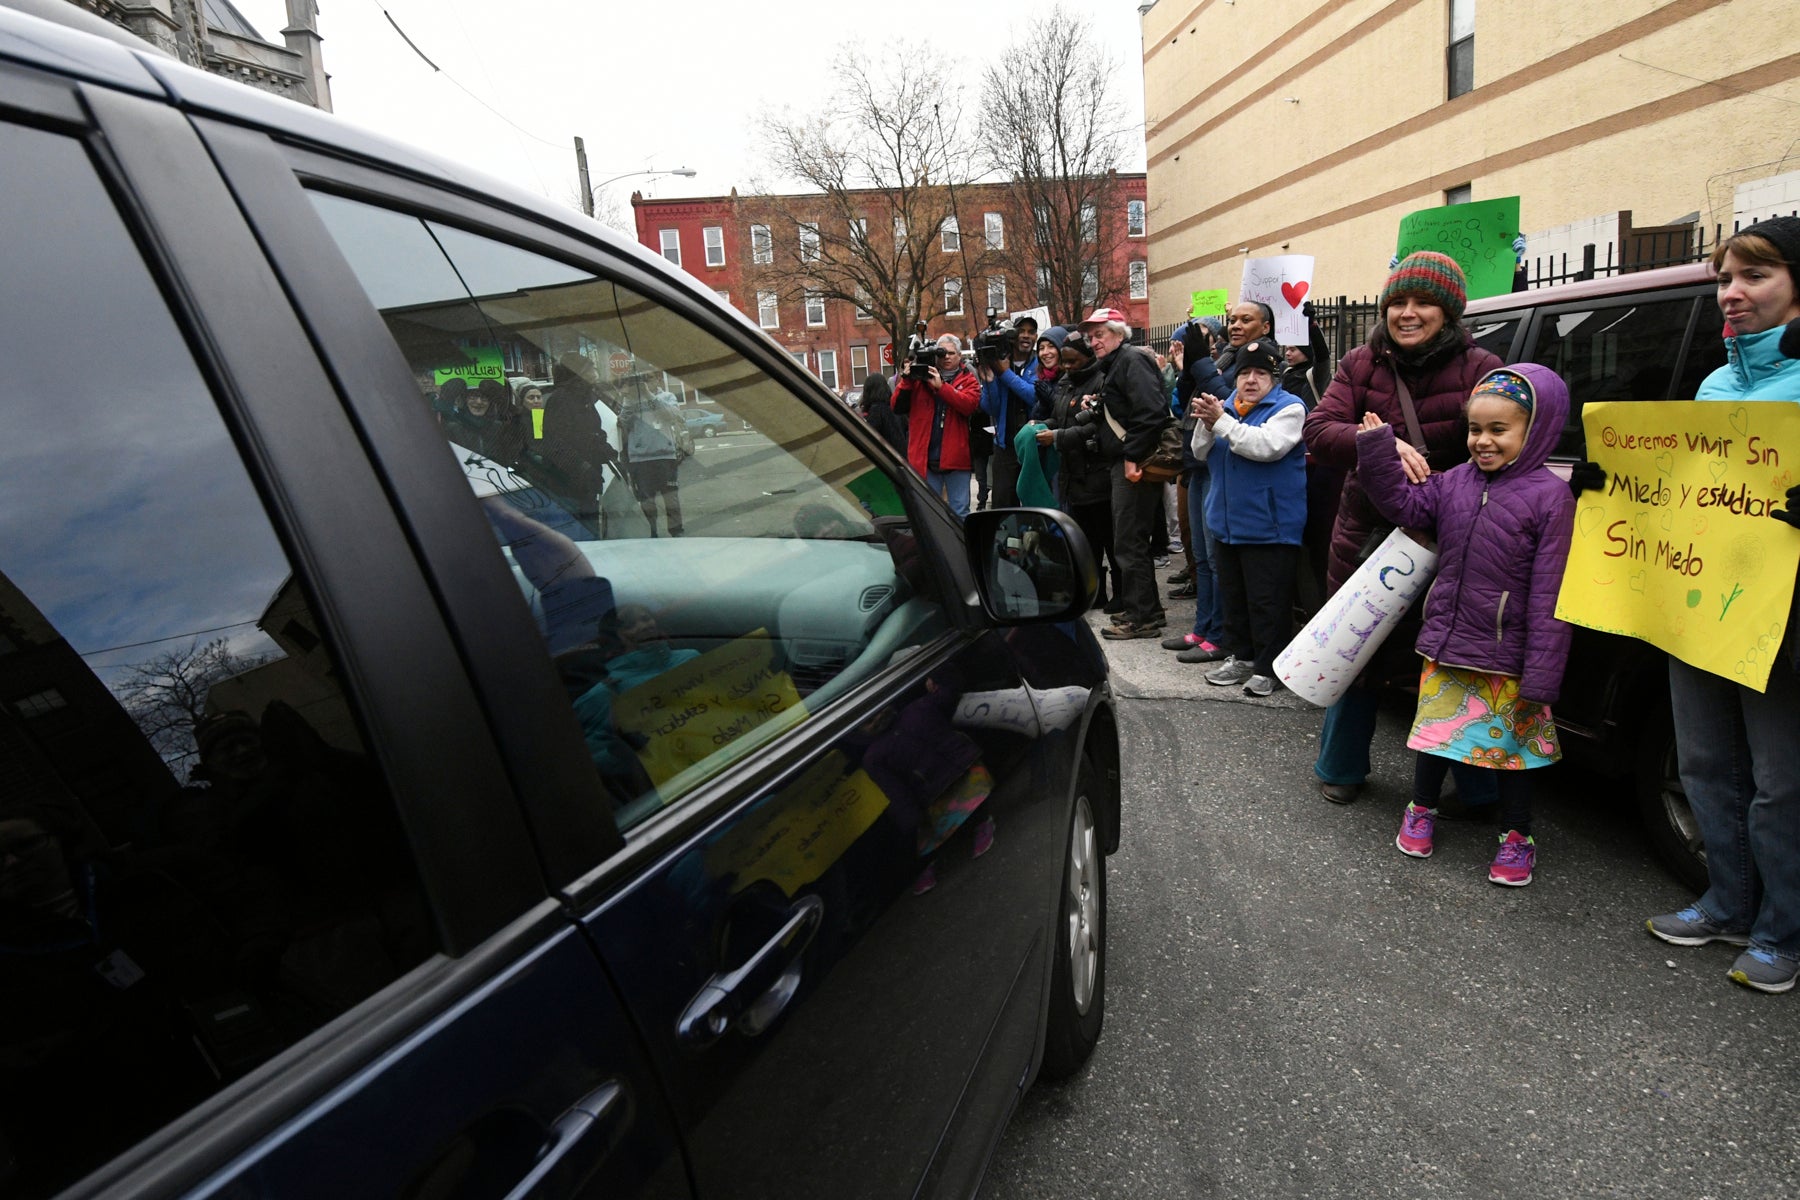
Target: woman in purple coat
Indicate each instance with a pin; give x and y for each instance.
(1494, 650)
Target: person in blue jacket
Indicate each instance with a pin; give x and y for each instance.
(1009, 400)
(1256, 509)
(1739, 756)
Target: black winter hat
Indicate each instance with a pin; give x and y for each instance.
(1784, 234)
(1260, 354)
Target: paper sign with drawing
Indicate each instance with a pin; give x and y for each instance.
(1281, 282)
(1678, 549)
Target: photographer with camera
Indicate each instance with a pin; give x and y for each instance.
(1133, 413)
(937, 396)
(1084, 475)
(1008, 399)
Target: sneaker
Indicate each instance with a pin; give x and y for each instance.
(1514, 860)
(1186, 591)
(1186, 641)
(926, 881)
(1230, 673)
(1181, 577)
(1160, 561)
(1125, 631)
(1764, 971)
(984, 838)
(1261, 686)
(1691, 927)
(1416, 827)
(1201, 651)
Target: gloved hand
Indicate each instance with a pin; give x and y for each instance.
(1518, 249)
(1586, 477)
(1790, 514)
(1394, 262)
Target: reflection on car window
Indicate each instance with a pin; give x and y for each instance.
(1618, 351)
(199, 862)
(708, 561)
(1495, 333)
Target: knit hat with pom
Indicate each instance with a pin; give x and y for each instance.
(1431, 276)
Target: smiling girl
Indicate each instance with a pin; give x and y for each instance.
(1494, 650)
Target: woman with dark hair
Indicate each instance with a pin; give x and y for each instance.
(878, 411)
(1418, 357)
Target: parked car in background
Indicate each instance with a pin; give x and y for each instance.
(387, 815)
(702, 421)
(853, 396)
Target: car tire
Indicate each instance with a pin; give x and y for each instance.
(1662, 803)
(1078, 977)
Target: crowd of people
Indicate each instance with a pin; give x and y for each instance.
(1287, 462)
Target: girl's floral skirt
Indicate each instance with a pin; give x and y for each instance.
(1475, 717)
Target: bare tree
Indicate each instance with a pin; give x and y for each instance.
(166, 695)
(880, 172)
(1052, 127)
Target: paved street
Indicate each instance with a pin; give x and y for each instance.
(1295, 1009)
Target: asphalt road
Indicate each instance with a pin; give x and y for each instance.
(1295, 1009)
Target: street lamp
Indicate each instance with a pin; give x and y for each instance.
(588, 190)
(684, 172)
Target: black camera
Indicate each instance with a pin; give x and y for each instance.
(1090, 432)
(995, 344)
(921, 361)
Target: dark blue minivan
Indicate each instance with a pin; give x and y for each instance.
(407, 791)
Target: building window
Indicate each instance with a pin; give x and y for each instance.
(1090, 285)
(1134, 218)
(715, 245)
(1461, 55)
(39, 704)
(952, 237)
(799, 357)
(953, 297)
(899, 234)
(671, 245)
(809, 241)
(1090, 222)
(762, 245)
(828, 369)
(768, 310)
(1140, 281)
(997, 293)
(994, 228)
(862, 304)
(815, 309)
(1462, 193)
(723, 295)
(859, 365)
(1043, 283)
(859, 232)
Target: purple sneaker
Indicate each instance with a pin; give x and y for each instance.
(1415, 831)
(1514, 861)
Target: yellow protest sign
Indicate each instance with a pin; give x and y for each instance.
(1678, 549)
(795, 836)
(688, 713)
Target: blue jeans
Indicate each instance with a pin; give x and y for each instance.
(1740, 765)
(953, 486)
(1209, 623)
(1344, 749)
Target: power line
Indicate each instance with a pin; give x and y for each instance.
(173, 637)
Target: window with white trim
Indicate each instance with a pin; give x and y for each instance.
(799, 357)
(859, 365)
(1043, 283)
(862, 304)
(1090, 222)
(768, 310)
(994, 229)
(952, 237)
(809, 241)
(997, 294)
(1090, 284)
(899, 234)
(859, 232)
(1140, 280)
(815, 309)
(671, 244)
(715, 245)
(828, 369)
(953, 298)
(722, 294)
(1134, 218)
(1460, 57)
(762, 245)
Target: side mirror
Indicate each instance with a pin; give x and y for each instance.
(1031, 565)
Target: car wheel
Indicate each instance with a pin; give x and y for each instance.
(1663, 805)
(1078, 979)
(709, 431)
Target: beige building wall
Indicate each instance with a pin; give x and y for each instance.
(1313, 126)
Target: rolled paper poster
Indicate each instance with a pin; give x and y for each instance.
(1324, 658)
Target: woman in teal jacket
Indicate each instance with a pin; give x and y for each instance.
(1740, 759)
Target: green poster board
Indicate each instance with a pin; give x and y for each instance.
(483, 362)
(1212, 303)
(1478, 236)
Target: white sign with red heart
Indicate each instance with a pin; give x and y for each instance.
(1282, 283)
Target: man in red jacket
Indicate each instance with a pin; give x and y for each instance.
(937, 409)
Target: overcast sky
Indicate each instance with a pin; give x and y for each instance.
(645, 85)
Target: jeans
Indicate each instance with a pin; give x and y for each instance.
(1740, 765)
(1133, 505)
(1209, 622)
(1344, 749)
(953, 486)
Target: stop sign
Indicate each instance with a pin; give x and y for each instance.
(887, 355)
(619, 363)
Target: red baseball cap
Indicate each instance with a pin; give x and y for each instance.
(1101, 316)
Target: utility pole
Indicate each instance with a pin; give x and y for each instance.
(587, 193)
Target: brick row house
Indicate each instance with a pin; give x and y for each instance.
(733, 245)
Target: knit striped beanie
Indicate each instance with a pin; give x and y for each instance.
(1431, 276)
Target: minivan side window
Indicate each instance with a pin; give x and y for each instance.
(199, 860)
(699, 596)
(1617, 351)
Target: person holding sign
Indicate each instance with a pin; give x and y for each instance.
(1494, 650)
(1738, 750)
(1415, 371)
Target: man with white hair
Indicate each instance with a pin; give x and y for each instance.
(1135, 411)
(937, 405)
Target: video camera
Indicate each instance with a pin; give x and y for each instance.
(920, 362)
(994, 345)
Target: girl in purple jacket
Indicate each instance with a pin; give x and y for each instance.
(1494, 650)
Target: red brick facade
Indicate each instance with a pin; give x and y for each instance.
(842, 349)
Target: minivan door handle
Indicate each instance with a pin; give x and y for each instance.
(752, 996)
(579, 1141)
